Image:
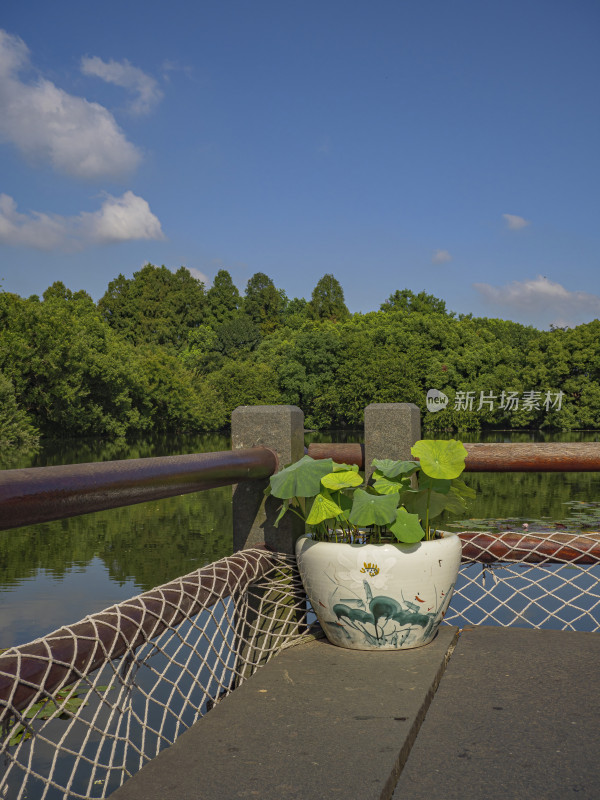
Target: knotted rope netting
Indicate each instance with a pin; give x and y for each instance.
(87, 706)
(527, 579)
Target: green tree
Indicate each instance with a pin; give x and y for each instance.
(306, 364)
(203, 353)
(263, 302)
(17, 431)
(238, 335)
(295, 313)
(176, 401)
(69, 369)
(156, 306)
(223, 298)
(327, 301)
(76, 376)
(405, 300)
(245, 383)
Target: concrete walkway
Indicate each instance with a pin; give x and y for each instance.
(316, 722)
(516, 715)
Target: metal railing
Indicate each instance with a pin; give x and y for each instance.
(42, 494)
(493, 457)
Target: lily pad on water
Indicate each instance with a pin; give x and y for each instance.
(576, 522)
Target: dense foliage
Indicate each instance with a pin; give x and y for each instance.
(159, 352)
(16, 429)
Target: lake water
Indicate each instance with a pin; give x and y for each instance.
(55, 573)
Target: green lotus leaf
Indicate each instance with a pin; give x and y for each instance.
(460, 487)
(440, 458)
(345, 467)
(345, 504)
(437, 484)
(301, 479)
(383, 485)
(455, 503)
(392, 469)
(416, 503)
(284, 507)
(373, 509)
(323, 508)
(407, 527)
(346, 479)
(20, 733)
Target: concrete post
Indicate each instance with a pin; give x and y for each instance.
(282, 429)
(272, 614)
(390, 431)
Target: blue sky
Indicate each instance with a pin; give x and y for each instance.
(446, 147)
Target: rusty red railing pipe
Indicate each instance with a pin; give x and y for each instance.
(41, 494)
(533, 548)
(341, 453)
(494, 457)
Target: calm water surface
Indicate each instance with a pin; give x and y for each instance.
(55, 573)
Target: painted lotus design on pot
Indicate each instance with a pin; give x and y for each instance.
(386, 622)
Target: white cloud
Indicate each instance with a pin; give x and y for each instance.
(119, 219)
(169, 66)
(47, 124)
(440, 257)
(200, 276)
(124, 74)
(515, 223)
(541, 298)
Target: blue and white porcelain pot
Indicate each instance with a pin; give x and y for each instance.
(379, 596)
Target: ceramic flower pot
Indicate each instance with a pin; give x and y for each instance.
(379, 596)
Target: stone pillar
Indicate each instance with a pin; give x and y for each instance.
(282, 429)
(390, 431)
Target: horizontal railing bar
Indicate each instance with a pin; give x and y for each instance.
(42, 494)
(346, 453)
(74, 651)
(494, 457)
(533, 457)
(532, 548)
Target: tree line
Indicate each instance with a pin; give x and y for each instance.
(160, 352)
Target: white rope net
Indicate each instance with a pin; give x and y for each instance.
(533, 580)
(85, 707)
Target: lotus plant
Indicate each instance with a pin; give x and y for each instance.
(402, 499)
